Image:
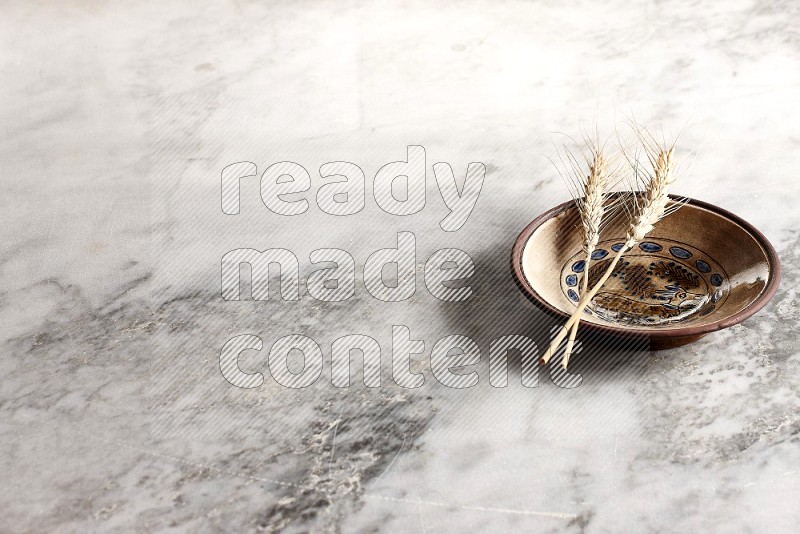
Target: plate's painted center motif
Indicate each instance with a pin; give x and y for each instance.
(658, 282)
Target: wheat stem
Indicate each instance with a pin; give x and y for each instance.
(574, 332)
(579, 310)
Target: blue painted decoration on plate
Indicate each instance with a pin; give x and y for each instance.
(649, 246)
(680, 253)
(702, 266)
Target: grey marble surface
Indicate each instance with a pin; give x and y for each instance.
(117, 120)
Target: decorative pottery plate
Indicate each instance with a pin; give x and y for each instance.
(701, 269)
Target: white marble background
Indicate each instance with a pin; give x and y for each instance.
(117, 120)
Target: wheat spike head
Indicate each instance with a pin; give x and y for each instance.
(593, 205)
(589, 183)
(653, 203)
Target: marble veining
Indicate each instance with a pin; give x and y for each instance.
(118, 119)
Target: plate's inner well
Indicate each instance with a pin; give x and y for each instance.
(658, 282)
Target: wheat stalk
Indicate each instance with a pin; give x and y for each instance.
(648, 209)
(592, 208)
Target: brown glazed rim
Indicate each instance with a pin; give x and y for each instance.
(654, 333)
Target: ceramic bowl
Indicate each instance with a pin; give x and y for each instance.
(701, 269)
